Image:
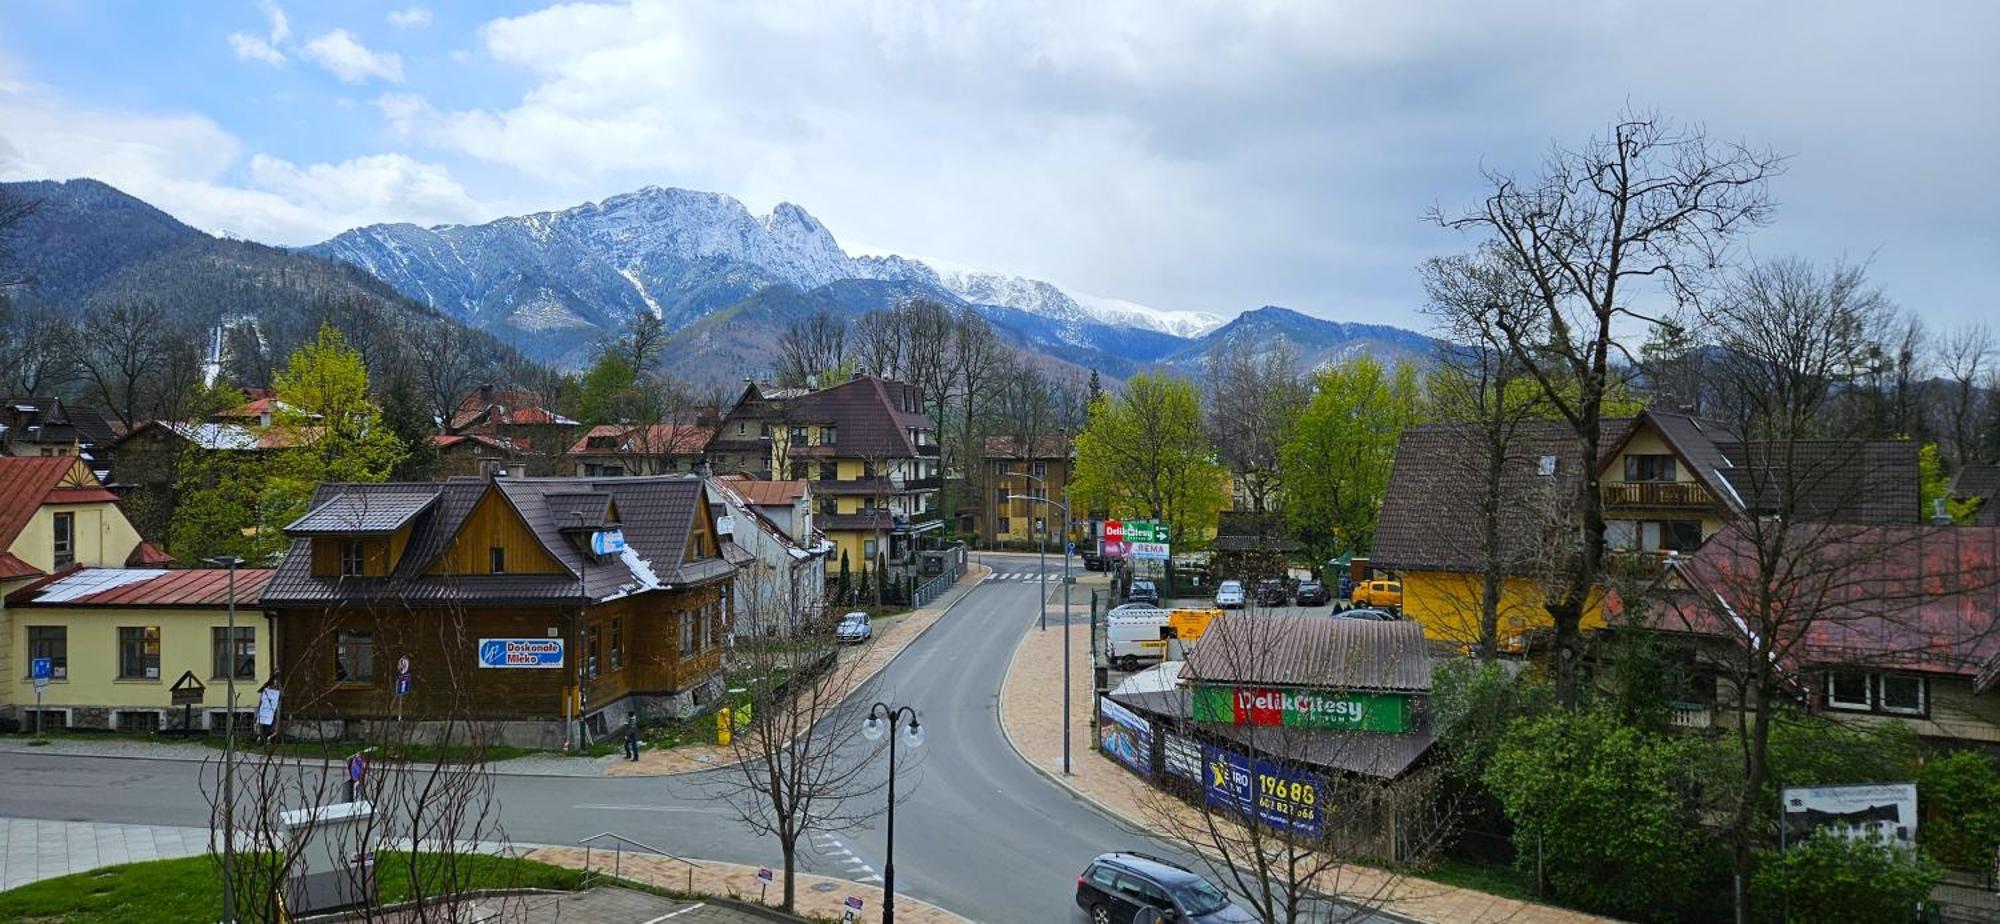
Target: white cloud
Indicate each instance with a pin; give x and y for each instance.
(346, 58)
(415, 16)
(252, 48)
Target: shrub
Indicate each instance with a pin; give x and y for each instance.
(1828, 877)
(1960, 797)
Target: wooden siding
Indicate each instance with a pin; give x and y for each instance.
(376, 555)
(701, 536)
(493, 522)
(653, 661)
(1956, 713)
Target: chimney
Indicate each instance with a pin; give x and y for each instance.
(486, 393)
(1938, 515)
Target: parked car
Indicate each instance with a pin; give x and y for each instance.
(1143, 592)
(1378, 593)
(1229, 595)
(1117, 885)
(1271, 592)
(854, 627)
(1093, 560)
(1312, 593)
(1366, 612)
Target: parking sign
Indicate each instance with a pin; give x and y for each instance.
(41, 669)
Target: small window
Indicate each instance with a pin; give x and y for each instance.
(1006, 525)
(496, 560)
(868, 549)
(1000, 497)
(1902, 694)
(1649, 468)
(687, 634)
(241, 653)
(617, 643)
(51, 642)
(352, 559)
(138, 652)
(829, 436)
(138, 721)
(354, 657)
(799, 435)
(1545, 466)
(1103, 878)
(591, 648)
(1848, 690)
(828, 471)
(65, 543)
(742, 428)
(1041, 470)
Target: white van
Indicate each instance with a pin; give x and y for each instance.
(1134, 636)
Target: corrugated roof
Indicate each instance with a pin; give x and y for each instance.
(1437, 486)
(361, 513)
(1311, 651)
(1980, 481)
(199, 587)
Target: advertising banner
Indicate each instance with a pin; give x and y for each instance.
(521, 652)
(1284, 799)
(1881, 812)
(1125, 736)
(1375, 712)
(1137, 531)
(1183, 756)
(1150, 551)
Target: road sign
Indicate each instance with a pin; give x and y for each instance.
(357, 767)
(765, 874)
(402, 684)
(853, 911)
(403, 665)
(1069, 549)
(41, 669)
(187, 691)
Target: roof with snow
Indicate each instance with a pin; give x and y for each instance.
(135, 587)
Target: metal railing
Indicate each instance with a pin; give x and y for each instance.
(618, 855)
(936, 586)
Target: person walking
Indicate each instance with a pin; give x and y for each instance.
(267, 709)
(632, 738)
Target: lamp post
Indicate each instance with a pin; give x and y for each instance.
(873, 729)
(229, 751)
(1045, 605)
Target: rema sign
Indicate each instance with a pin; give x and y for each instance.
(1295, 708)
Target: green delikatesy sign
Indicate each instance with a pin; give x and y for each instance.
(1146, 531)
(1296, 708)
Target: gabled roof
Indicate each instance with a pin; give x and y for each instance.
(490, 406)
(1694, 440)
(255, 409)
(1981, 481)
(873, 415)
(656, 515)
(766, 492)
(28, 482)
(504, 444)
(53, 420)
(198, 587)
(647, 440)
(1311, 651)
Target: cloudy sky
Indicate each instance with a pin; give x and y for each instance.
(1206, 156)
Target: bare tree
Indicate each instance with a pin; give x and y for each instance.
(121, 348)
(800, 762)
(1966, 354)
(446, 362)
(810, 346)
(1646, 202)
(37, 348)
(1252, 398)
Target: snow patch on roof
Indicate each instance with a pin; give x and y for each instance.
(94, 580)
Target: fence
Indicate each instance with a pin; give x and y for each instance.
(954, 568)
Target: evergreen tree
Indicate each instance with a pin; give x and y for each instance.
(846, 586)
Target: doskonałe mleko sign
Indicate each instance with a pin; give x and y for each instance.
(1302, 708)
(521, 652)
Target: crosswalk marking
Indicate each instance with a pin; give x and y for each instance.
(1028, 577)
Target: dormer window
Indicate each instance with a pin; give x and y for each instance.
(352, 559)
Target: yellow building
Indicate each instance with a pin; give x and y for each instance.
(55, 515)
(871, 455)
(119, 639)
(1667, 481)
(1011, 469)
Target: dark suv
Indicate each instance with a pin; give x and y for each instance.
(1143, 592)
(1116, 885)
(1271, 592)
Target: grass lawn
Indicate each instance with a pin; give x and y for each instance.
(1492, 878)
(189, 891)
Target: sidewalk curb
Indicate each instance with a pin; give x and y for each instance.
(1117, 817)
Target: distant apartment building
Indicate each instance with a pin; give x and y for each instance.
(1013, 467)
(871, 455)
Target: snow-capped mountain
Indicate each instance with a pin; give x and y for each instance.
(564, 277)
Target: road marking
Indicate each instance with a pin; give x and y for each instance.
(649, 808)
(674, 914)
(871, 879)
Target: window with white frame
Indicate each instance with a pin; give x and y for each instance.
(1863, 691)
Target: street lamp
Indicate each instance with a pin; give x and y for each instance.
(1045, 606)
(913, 734)
(229, 751)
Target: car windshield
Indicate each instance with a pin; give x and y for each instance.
(1309, 585)
(1197, 897)
(1228, 586)
(1142, 585)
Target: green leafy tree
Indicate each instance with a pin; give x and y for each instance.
(1144, 454)
(1934, 485)
(610, 390)
(1335, 460)
(1475, 702)
(1961, 809)
(1606, 812)
(221, 495)
(1828, 877)
(335, 431)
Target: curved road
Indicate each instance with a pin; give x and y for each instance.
(978, 831)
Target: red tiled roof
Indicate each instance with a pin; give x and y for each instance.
(11, 567)
(652, 439)
(767, 493)
(147, 555)
(123, 587)
(28, 482)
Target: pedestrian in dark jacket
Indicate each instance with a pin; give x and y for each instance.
(631, 739)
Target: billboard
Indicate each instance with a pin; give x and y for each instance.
(1183, 756)
(1150, 551)
(1285, 799)
(1125, 736)
(1294, 708)
(521, 652)
(1882, 812)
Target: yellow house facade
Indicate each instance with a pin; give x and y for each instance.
(118, 641)
(871, 456)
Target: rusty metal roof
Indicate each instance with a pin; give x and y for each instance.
(1311, 651)
(197, 587)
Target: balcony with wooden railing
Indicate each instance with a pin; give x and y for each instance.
(1675, 495)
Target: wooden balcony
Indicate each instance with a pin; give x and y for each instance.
(1663, 495)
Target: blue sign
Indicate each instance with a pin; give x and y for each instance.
(1285, 799)
(607, 541)
(357, 767)
(521, 652)
(41, 669)
(402, 684)
(1071, 550)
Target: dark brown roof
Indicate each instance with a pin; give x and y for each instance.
(1694, 439)
(1980, 480)
(1833, 481)
(874, 416)
(656, 515)
(1430, 510)
(1311, 651)
(361, 513)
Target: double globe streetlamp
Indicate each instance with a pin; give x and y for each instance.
(884, 719)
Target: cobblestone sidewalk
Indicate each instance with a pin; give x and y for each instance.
(1031, 715)
(872, 657)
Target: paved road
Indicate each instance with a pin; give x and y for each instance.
(979, 831)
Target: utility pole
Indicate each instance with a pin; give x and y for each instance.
(229, 753)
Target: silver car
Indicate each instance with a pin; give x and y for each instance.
(854, 627)
(1229, 595)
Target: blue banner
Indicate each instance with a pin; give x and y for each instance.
(1284, 799)
(1126, 736)
(521, 652)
